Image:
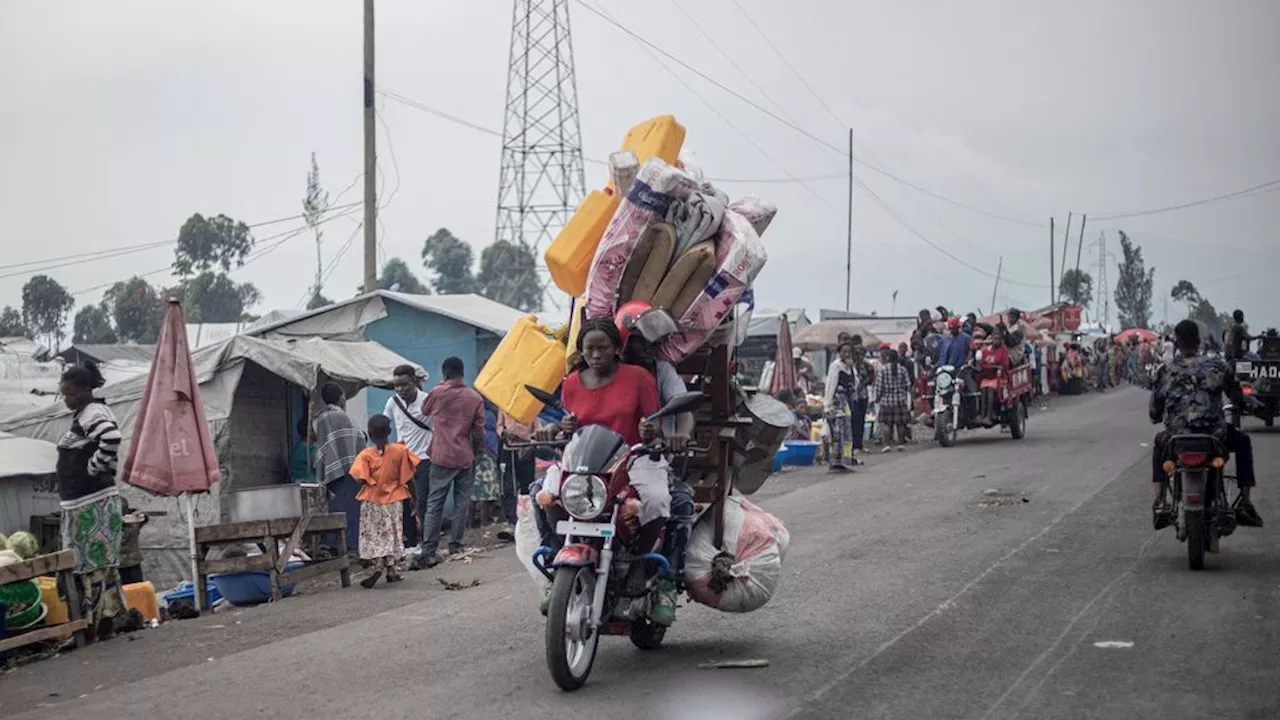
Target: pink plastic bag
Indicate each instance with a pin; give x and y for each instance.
(747, 574)
(646, 202)
(739, 258)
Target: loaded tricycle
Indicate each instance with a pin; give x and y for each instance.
(959, 397)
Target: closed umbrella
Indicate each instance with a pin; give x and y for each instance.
(171, 452)
(784, 367)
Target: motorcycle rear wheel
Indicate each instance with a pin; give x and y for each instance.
(1018, 421)
(1197, 539)
(572, 638)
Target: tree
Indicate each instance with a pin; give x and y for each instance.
(206, 243)
(45, 307)
(93, 325)
(317, 301)
(1077, 287)
(136, 309)
(1133, 287)
(509, 275)
(11, 324)
(450, 260)
(397, 276)
(1185, 292)
(314, 205)
(1199, 309)
(215, 298)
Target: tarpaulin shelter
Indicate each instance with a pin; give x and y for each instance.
(252, 391)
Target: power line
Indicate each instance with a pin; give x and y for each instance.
(1256, 189)
(841, 151)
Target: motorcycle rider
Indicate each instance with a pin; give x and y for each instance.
(604, 391)
(953, 350)
(1188, 398)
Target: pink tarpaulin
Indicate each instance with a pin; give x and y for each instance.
(171, 452)
(784, 364)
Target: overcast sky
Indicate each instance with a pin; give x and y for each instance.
(119, 120)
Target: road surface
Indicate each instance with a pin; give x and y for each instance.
(903, 598)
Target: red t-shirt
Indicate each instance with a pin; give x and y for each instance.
(994, 357)
(619, 405)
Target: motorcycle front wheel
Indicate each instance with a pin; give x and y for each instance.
(944, 428)
(1197, 539)
(572, 637)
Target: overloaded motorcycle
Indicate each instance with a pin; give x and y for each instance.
(603, 583)
(1259, 378)
(1196, 491)
(957, 394)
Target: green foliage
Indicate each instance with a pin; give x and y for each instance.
(1077, 287)
(450, 260)
(397, 276)
(208, 243)
(215, 298)
(45, 307)
(11, 324)
(93, 325)
(1212, 323)
(135, 309)
(509, 275)
(1133, 288)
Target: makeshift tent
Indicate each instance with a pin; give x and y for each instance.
(250, 390)
(28, 482)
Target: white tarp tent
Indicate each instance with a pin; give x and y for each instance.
(244, 389)
(27, 483)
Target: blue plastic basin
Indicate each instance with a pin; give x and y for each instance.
(799, 452)
(249, 588)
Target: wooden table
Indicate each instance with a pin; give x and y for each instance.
(266, 534)
(61, 563)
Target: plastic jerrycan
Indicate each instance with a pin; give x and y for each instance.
(569, 256)
(660, 137)
(528, 355)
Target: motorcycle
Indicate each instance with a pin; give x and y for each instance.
(1197, 494)
(602, 582)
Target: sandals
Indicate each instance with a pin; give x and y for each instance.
(372, 580)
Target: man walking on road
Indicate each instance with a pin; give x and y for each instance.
(413, 429)
(456, 415)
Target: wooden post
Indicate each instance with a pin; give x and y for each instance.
(848, 261)
(1053, 297)
(370, 158)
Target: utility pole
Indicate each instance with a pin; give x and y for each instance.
(848, 261)
(1080, 245)
(370, 159)
(996, 288)
(1066, 240)
(1053, 296)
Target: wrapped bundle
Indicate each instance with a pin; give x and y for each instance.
(746, 575)
(757, 212)
(739, 258)
(623, 168)
(528, 539)
(646, 202)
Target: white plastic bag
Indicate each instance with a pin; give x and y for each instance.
(746, 575)
(528, 539)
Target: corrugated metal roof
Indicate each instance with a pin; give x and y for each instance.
(474, 310)
(113, 353)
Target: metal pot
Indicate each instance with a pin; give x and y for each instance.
(269, 502)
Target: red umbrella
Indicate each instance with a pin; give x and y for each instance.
(1142, 334)
(784, 367)
(171, 452)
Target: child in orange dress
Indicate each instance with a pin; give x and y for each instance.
(386, 469)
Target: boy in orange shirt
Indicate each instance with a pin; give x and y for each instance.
(386, 470)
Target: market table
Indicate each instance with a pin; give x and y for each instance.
(62, 564)
(267, 534)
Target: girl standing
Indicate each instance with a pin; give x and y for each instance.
(385, 470)
(92, 512)
(840, 399)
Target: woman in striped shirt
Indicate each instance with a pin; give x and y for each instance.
(92, 522)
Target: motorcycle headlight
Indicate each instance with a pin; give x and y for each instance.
(584, 496)
(943, 381)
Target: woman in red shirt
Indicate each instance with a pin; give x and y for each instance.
(995, 358)
(604, 390)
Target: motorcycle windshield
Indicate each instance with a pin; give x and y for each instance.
(595, 450)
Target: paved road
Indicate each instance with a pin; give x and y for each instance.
(903, 598)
